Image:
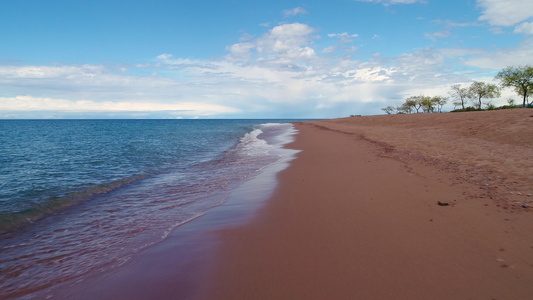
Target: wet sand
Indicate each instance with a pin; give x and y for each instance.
(425, 206)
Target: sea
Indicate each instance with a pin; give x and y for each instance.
(84, 196)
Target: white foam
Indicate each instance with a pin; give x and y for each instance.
(252, 145)
(280, 133)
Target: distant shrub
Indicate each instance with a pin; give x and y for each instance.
(469, 108)
(508, 107)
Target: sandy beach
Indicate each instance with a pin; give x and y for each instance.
(422, 206)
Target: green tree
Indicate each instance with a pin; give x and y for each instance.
(439, 102)
(415, 102)
(479, 90)
(520, 78)
(428, 105)
(409, 105)
(405, 108)
(460, 94)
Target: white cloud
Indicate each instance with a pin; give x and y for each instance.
(242, 50)
(505, 12)
(460, 52)
(369, 74)
(246, 37)
(525, 28)
(496, 30)
(448, 27)
(44, 72)
(164, 56)
(30, 103)
(343, 37)
(437, 35)
(294, 11)
(285, 44)
(330, 49)
(503, 57)
(60, 80)
(279, 73)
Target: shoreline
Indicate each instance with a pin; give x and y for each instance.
(351, 217)
(355, 217)
(176, 267)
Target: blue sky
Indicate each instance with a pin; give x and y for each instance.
(249, 59)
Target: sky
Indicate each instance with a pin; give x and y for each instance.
(249, 58)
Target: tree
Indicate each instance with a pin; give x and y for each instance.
(520, 78)
(460, 94)
(405, 108)
(439, 101)
(409, 105)
(389, 109)
(428, 105)
(528, 92)
(479, 90)
(415, 101)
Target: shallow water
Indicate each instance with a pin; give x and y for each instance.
(80, 197)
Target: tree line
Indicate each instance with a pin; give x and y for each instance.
(520, 78)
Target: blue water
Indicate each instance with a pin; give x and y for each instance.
(79, 196)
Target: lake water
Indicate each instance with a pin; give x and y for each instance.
(83, 196)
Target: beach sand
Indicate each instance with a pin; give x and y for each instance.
(421, 206)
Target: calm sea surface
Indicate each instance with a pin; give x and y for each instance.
(80, 196)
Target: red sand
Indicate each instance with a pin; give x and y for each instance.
(356, 215)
